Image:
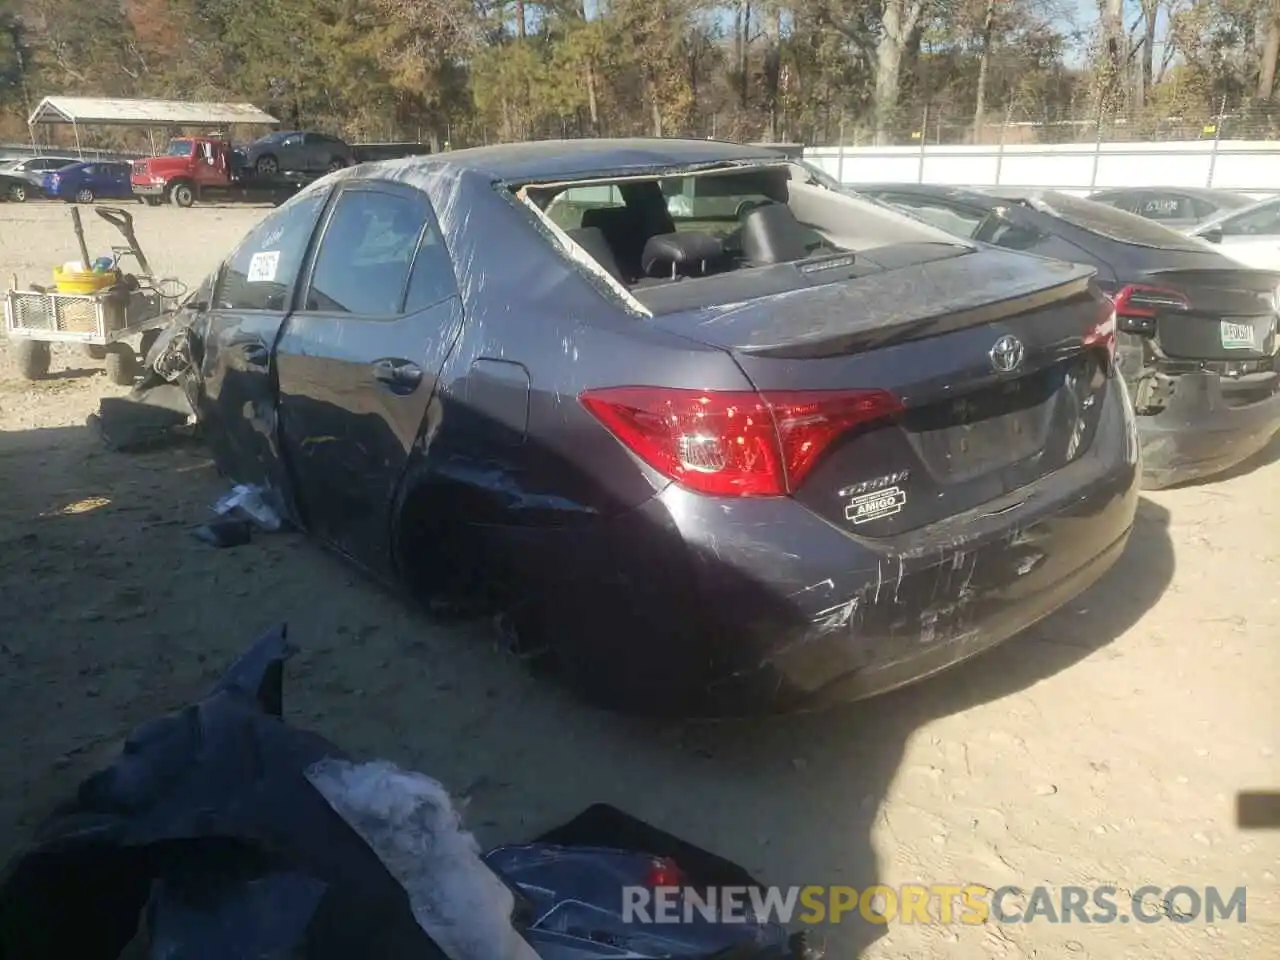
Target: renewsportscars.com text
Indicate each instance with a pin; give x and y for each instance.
(970, 904)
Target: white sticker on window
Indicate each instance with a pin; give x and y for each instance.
(263, 266)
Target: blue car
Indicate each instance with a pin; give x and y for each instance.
(86, 182)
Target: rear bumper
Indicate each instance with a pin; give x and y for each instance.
(692, 604)
(894, 612)
(1198, 434)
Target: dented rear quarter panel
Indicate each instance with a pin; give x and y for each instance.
(536, 319)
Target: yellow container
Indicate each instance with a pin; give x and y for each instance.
(83, 281)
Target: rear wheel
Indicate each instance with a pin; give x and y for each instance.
(335, 164)
(181, 195)
(31, 358)
(18, 193)
(122, 364)
(84, 195)
(266, 166)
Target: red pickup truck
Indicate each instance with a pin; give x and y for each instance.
(196, 169)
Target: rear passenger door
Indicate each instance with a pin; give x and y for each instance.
(359, 359)
(120, 181)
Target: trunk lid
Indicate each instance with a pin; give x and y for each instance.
(1225, 313)
(993, 355)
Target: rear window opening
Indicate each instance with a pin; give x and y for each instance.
(702, 238)
(1112, 223)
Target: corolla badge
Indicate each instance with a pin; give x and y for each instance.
(1006, 354)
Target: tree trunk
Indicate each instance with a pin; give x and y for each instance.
(520, 19)
(1114, 53)
(1146, 77)
(773, 72)
(593, 103)
(1270, 53)
(744, 57)
(655, 108)
(897, 23)
(984, 68)
(738, 52)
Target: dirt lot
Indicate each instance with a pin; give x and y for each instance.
(1106, 747)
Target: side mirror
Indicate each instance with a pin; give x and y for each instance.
(1212, 236)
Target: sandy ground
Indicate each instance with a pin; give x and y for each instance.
(1106, 747)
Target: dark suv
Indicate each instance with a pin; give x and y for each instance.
(296, 151)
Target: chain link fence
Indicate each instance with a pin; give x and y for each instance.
(949, 126)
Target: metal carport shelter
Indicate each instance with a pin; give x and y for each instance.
(144, 113)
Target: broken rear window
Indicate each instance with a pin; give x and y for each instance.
(657, 230)
(1116, 224)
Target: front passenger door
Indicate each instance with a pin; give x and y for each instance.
(359, 359)
(250, 300)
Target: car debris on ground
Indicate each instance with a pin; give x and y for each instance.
(221, 831)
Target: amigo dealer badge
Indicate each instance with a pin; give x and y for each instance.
(876, 505)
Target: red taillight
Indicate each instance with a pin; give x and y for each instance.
(734, 442)
(1140, 301)
(1103, 332)
(663, 872)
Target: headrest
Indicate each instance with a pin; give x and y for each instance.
(673, 254)
(772, 234)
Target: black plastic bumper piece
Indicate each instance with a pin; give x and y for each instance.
(1199, 435)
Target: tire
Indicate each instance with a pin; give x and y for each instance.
(122, 364)
(18, 193)
(31, 358)
(266, 165)
(182, 195)
(84, 195)
(336, 163)
(95, 352)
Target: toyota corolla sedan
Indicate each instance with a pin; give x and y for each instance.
(796, 449)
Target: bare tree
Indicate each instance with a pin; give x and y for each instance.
(1270, 53)
(898, 20)
(984, 67)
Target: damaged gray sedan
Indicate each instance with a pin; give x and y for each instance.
(790, 449)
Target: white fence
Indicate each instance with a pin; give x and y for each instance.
(1251, 166)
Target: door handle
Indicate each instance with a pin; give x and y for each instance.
(400, 375)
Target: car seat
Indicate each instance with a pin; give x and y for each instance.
(592, 240)
(772, 234)
(672, 255)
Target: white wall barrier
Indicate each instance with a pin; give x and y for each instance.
(1251, 166)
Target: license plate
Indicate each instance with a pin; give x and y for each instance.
(1237, 336)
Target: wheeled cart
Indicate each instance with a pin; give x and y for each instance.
(103, 322)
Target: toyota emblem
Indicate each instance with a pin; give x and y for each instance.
(1006, 354)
